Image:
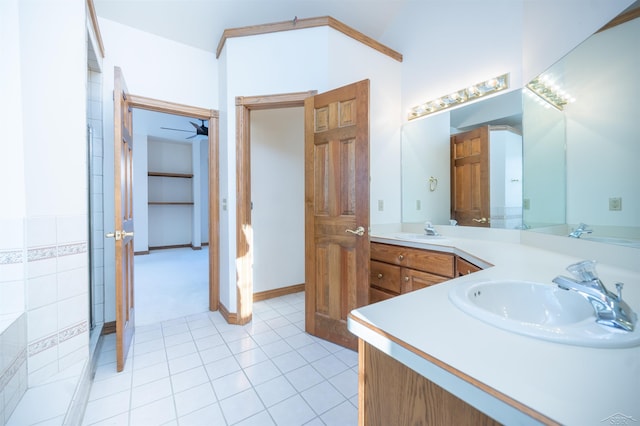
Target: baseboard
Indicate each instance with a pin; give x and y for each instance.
(139, 253)
(231, 318)
(109, 328)
(277, 292)
(170, 247)
(191, 246)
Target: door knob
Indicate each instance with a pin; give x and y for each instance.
(119, 235)
(359, 231)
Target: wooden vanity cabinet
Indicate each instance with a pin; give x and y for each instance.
(396, 270)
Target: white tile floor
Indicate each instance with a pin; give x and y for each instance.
(199, 370)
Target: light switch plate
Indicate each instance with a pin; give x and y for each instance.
(615, 203)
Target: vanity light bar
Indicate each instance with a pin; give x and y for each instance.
(550, 92)
(461, 96)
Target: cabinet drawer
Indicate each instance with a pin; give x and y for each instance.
(415, 280)
(422, 260)
(464, 267)
(385, 276)
(376, 295)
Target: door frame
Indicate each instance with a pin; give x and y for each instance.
(213, 116)
(244, 234)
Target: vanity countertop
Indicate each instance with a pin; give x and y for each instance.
(501, 373)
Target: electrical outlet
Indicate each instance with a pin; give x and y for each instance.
(418, 205)
(615, 204)
(380, 205)
(526, 204)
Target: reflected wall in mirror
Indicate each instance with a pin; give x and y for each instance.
(576, 163)
(595, 137)
(426, 154)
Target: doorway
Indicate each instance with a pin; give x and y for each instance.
(212, 208)
(244, 248)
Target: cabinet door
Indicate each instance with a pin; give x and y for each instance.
(385, 276)
(464, 267)
(415, 280)
(376, 295)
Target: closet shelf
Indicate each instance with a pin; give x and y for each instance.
(174, 175)
(170, 203)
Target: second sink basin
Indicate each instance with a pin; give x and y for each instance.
(538, 310)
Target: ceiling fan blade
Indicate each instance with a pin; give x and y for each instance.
(193, 136)
(177, 130)
(194, 125)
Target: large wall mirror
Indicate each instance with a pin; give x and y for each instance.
(579, 164)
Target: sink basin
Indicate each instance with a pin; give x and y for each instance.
(538, 310)
(613, 240)
(439, 239)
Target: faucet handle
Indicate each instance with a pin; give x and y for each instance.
(619, 288)
(584, 271)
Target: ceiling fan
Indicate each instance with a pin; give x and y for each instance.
(200, 129)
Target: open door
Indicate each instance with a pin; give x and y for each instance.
(123, 206)
(470, 197)
(336, 210)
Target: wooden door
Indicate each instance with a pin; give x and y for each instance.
(470, 204)
(123, 205)
(336, 210)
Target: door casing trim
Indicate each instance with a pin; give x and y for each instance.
(213, 116)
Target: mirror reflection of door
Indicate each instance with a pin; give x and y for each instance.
(470, 197)
(486, 177)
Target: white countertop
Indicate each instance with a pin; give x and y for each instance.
(572, 385)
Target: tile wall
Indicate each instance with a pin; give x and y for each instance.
(57, 295)
(13, 324)
(96, 210)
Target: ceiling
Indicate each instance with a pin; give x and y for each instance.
(200, 23)
(151, 123)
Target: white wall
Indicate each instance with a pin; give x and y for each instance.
(566, 24)
(12, 165)
(277, 194)
(506, 179)
(426, 152)
(13, 264)
(449, 54)
(599, 122)
(140, 189)
(204, 190)
(157, 68)
(295, 61)
(544, 172)
(53, 66)
(478, 40)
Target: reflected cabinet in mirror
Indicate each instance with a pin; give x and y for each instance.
(579, 164)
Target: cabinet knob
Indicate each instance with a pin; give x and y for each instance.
(406, 279)
(379, 276)
(401, 257)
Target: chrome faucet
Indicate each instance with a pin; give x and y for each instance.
(581, 229)
(609, 308)
(430, 230)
